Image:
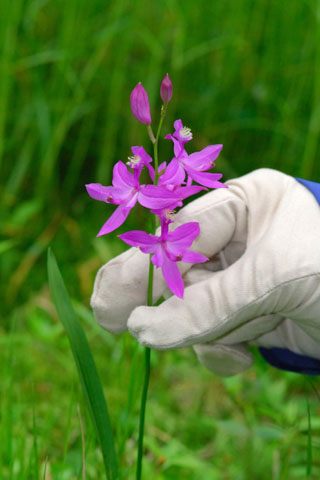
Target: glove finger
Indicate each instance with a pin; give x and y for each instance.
(121, 284)
(224, 360)
(212, 308)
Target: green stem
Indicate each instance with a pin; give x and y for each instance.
(155, 143)
(150, 304)
(143, 412)
(145, 383)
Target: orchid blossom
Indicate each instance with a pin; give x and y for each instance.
(168, 249)
(196, 164)
(126, 192)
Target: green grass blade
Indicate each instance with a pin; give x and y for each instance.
(309, 443)
(35, 439)
(45, 469)
(88, 374)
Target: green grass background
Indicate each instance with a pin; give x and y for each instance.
(246, 74)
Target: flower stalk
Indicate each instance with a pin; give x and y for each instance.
(150, 304)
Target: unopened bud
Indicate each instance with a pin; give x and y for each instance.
(140, 106)
(166, 89)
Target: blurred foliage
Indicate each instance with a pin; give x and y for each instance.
(246, 73)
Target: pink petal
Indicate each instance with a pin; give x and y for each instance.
(203, 160)
(184, 235)
(177, 147)
(151, 172)
(172, 277)
(162, 166)
(193, 257)
(98, 191)
(140, 151)
(157, 197)
(158, 257)
(178, 241)
(122, 178)
(178, 125)
(132, 199)
(166, 89)
(185, 192)
(179, 134)
(141, 239)
(174, 174)
(207, 179)
(116, 219)
(140, 106)
(189, 181)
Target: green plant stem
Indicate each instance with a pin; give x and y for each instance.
(150, 304)
(155, 143)
(145, 382)
(143, 411)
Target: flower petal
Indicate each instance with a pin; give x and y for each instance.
(174, 174)
(122, 178)
(181, 133)
(98, 191)
(185, 192)
(184, 235)
(116, 219)
(158, 257)
(193, 257)
(138, 238)
(203, 160)
(177, 147)
(178, 241)
(207, 179)
(162, 166)
(166, 89)
(140, 152)
(172, 277)
(140, 106)
(157, 197)
(178, 125)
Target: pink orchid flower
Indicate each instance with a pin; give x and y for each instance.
(196, 164)
(138, 160)
(126, 192)
(182, 134)
(168, 249)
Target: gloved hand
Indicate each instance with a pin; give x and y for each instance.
(261, 287)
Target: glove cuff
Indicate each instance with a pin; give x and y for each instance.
(291, 362)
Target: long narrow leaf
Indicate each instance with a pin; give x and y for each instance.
(88, 374)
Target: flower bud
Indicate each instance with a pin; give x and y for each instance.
(139, 102)
(166, 89)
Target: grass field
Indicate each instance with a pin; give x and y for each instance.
(246, 74)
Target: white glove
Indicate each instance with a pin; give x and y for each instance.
(261, 287)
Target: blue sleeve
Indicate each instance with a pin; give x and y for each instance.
(286, 359)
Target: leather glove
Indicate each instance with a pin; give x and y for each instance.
(261, 286)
